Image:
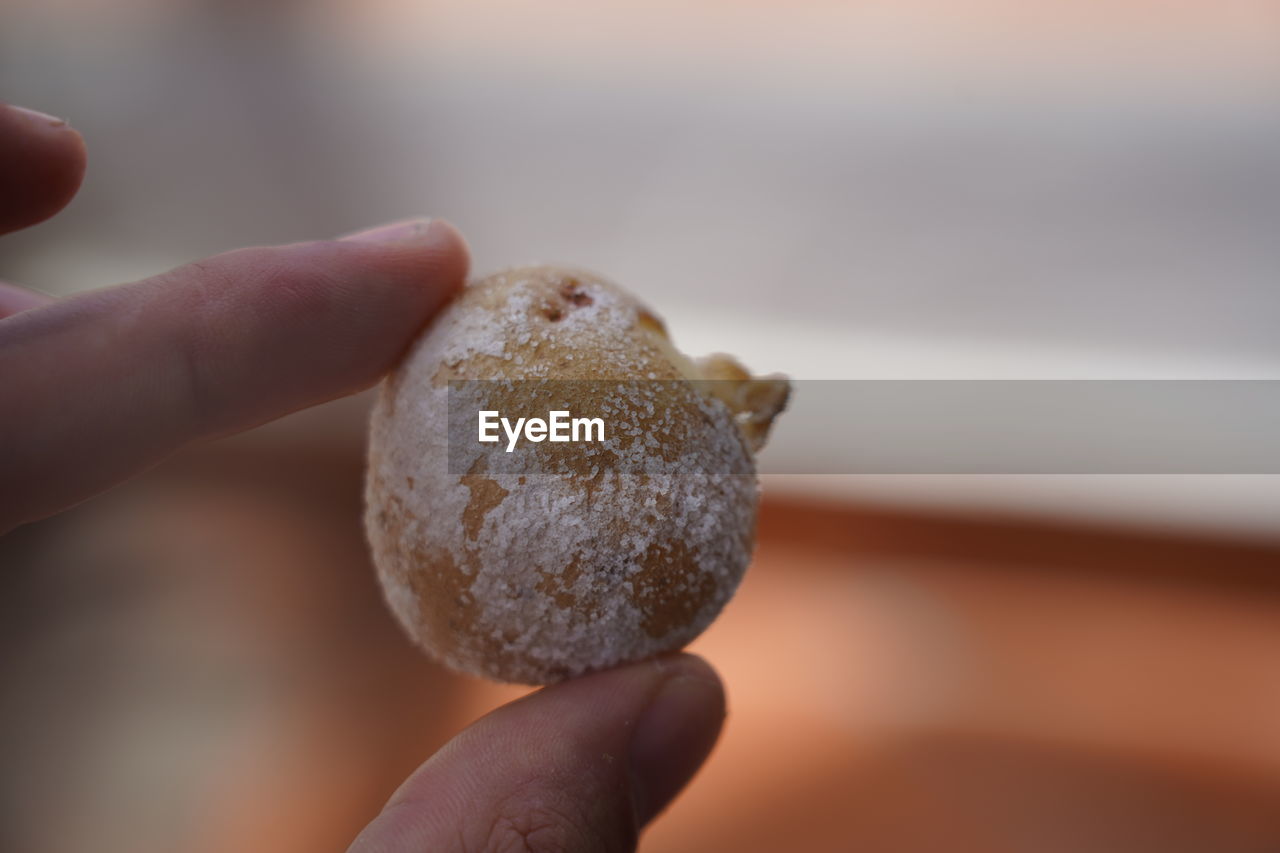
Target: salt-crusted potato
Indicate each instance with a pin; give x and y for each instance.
(629, 551)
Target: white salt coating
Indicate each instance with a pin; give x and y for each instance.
(541, 577)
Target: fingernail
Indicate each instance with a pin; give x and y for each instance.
(675, 733)
(35, 115)
(394, 232)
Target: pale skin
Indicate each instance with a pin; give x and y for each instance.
(97, 387)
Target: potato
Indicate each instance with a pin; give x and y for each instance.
(629, 548)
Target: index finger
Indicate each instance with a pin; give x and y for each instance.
(99, 386)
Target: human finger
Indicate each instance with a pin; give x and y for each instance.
(99, 386)
(578, 766)
(42, 161)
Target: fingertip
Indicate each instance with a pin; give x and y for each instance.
(675, 733)
(42, 164)
(71, 156)
(687, 664)
(451, 251)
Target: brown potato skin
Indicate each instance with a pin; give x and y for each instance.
(535, 579)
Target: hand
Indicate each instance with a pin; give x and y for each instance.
(99, 386)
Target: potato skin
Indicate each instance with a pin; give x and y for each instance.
(537, 579)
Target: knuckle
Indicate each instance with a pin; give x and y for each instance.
(263, 277)
(297, 287)
(234, 305)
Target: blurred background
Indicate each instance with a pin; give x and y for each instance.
(199, 660)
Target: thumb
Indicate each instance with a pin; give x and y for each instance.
(578, 766)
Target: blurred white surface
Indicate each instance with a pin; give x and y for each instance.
(973, 189)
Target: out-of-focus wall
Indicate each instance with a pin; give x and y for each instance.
(876, 190)
(1102, 175)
